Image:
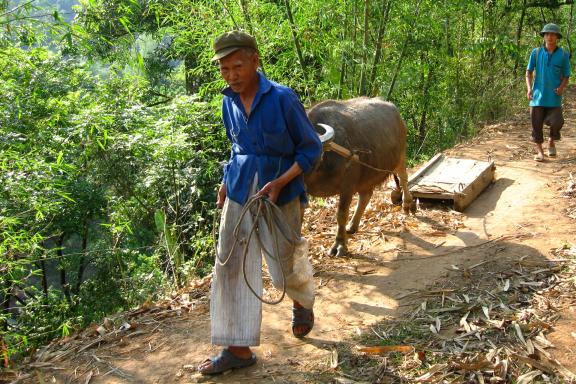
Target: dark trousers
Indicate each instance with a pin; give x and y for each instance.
(552, 117)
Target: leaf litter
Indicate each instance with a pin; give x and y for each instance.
(490, 329)
(95, 349)
(487, 323)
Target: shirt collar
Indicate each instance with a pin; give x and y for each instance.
(264, 86)
(545, 50)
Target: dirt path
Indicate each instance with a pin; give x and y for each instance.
(521, 215)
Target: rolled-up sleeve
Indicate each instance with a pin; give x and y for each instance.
(566, 65)
(531, 61)
(225, 170)
(308, 147)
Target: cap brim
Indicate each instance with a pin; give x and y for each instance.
(559, 34)
(224, 52)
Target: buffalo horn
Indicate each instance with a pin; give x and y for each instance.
(328, 134)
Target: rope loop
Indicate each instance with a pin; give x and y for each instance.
(259, 207)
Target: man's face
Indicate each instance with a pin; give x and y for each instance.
(239, 70)
(550, 38)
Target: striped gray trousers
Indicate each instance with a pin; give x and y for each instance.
(235, 312)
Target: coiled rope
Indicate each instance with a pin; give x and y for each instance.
(260, 207)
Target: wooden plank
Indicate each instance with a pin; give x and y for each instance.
(452, 172)
(459, 180)
(432, 195)
(424, 168)
(469, 194)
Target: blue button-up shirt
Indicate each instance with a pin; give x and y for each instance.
(550, 69)
(268, 142)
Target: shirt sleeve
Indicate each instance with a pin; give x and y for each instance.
(225, 108)
(532, 61)
(225, 169)
(308, 147)
(566, 71)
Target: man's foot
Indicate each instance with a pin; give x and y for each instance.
(552, 151)
(539, 157)
(229, 358)
(302, 320)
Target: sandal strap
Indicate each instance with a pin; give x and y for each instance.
(302, 317)
(225, 361)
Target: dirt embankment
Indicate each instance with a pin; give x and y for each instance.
(487, 294)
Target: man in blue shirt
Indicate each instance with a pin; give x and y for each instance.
(273, 144)
(552, 66)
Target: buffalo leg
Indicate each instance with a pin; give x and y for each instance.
(339, 247)
(407, 203)
(363, 200)
(396, 194)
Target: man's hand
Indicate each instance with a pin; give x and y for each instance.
(221, 196)
(559, 90)
(529, 94)
(271, 190)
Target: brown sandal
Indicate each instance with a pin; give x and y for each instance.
(302, 317)
(226, 361)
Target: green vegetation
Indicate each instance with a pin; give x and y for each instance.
(110, 138)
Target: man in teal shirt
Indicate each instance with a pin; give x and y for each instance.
(545, 89)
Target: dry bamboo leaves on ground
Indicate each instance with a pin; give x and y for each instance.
(489, 330)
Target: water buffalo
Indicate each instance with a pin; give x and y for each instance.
(374, 130)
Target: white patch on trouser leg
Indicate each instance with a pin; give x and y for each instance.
(297, 272)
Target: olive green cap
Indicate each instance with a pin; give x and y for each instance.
(551, 28)
(232, 41)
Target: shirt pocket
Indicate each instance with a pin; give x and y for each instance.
(277, 141)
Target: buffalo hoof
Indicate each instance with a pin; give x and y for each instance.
(410, 208)
(338, 250)
(351, 230)
(396, 196)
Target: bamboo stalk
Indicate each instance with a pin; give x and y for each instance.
(296, 41)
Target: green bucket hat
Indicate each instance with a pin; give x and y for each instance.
(232, 41)
(551, 28)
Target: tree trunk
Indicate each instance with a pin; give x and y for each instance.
(364, 69)
(570, 29)
(42, 263)
(378, 53)
(352, 63)
(229, 13)
(518, 37)
(246, 13)
(296, 41)
(189, 64)
(402, 54)
(427, 82)
(63, 284)
(82, 262)
(342, 79)
(397, 69)
(449, 48)
(5, 300)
